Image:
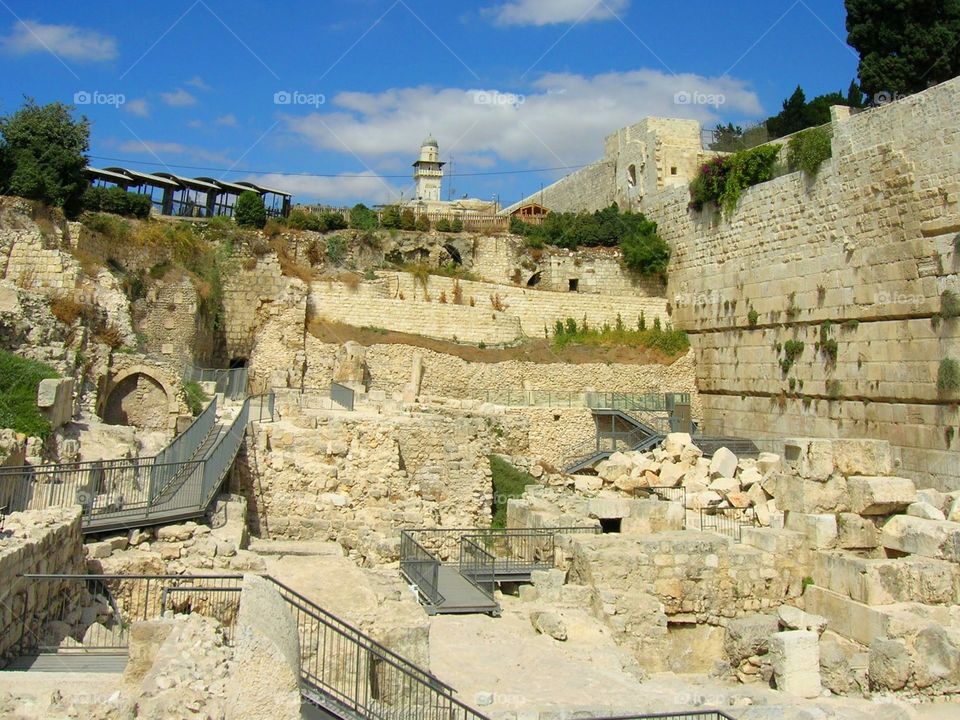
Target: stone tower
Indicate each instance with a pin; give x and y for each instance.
(428, 171)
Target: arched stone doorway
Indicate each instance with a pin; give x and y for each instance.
(139, 399)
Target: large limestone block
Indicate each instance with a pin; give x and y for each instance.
(856, 532)
(880, 495)
(926, 511)
(674, 444)
(266, 679)
(671, 474)
(653, 516)
(889, 664)
(145, 641)
(862, 457)
(846, 617)
(930, 538)
(723, 464)
(768, 462)
(811, 459)
(609, 507)
(820, 529)
(795, 494)
(795, 657)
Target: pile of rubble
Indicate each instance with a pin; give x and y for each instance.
(723, 481)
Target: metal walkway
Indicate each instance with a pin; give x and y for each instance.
(344, 673)
(455, 570)
(179, 483)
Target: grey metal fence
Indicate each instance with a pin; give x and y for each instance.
(660, 492)
(184, 446)
(478, 566)
(727, 521)
(342, 395)
(651, 402)
(86, 613)
(232, 382)
(420, 568)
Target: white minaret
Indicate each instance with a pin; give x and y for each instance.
(428, 171)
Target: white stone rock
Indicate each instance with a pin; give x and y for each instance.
(880, 495)
(724, 485)
(793, 618)
(795, 657)
(671, 474)
(674, 443)
(723, 464)
(925, 510)
(768, 462)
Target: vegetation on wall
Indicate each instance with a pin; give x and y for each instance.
(792, 350)
(363, 218)
(948, 376)
(949, 304)
(317, 222)
(808, 150)
(196, 398)
(19, 380)
(722, 180)
(668, 341)
(508, 482)
(644, 251)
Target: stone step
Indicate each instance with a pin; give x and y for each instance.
(884, 581)
(863, 623)
(918, 536)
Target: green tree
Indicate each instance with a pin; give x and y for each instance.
(727, 138)
(249, 211)
(42, 155)
(854, 95)
(408, 221)
(391, 217)
(362, 218)
(905, 46)
(423, 223)
(792, 118)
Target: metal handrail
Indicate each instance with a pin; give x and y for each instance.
(624, 442)
(342, 395)
(477, 566)
(421, 568)
(653, 402)
(729, 522)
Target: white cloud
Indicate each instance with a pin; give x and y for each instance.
(67, 41)
(178, 98)
(561, 121)
(197, 82)
(138, 106)
(152, 149)
(228, 120)
(332, 189)
(548, 12)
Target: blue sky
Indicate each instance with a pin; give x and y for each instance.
(349, 88)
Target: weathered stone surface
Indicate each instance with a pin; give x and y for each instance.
(925, 510)
(549, 623)
(917, 536)
(768, 462)
(889, 664)
(748, 636)
(793, 618)
(861, 456)
(795, 657)
(267, 648)
(855, 532)
(821, 530)
(880, 495)
(674, 444)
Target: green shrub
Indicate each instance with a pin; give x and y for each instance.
(19, 380)
(423, 224)
(390, 218)
(949, 304)
(249, 211)
(443, 225)
(808, 149)
(456, 226)
(828, 346)
(302, 220)
(948, 376)
(752, 317)
(721, 181)
(363, 218)
(196, 398)
(117, 201)
(336, 250)
(110, 226)
(792, 350)
(644, 251)
(408, 221)
(508, 483)
(668, 341)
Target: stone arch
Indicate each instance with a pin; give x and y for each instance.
(535, 279)
(141, 397)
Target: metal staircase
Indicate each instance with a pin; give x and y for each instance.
(177, 484)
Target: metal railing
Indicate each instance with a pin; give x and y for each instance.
(651, 402)
(350, 674)
(93, 613)
(139, 489)
(478, 566)
(342, 395)
(232, 382)
(420, 568)
(640, 438)
(727, 521)
(342, 669)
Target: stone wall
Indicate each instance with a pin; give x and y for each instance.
(450, 376)
(534, 307)
(244, 295)
(441, 321)
(170, 322)
(39, 541)
(358, 480)
(588, 189)
(868, 246)
(595, 270)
